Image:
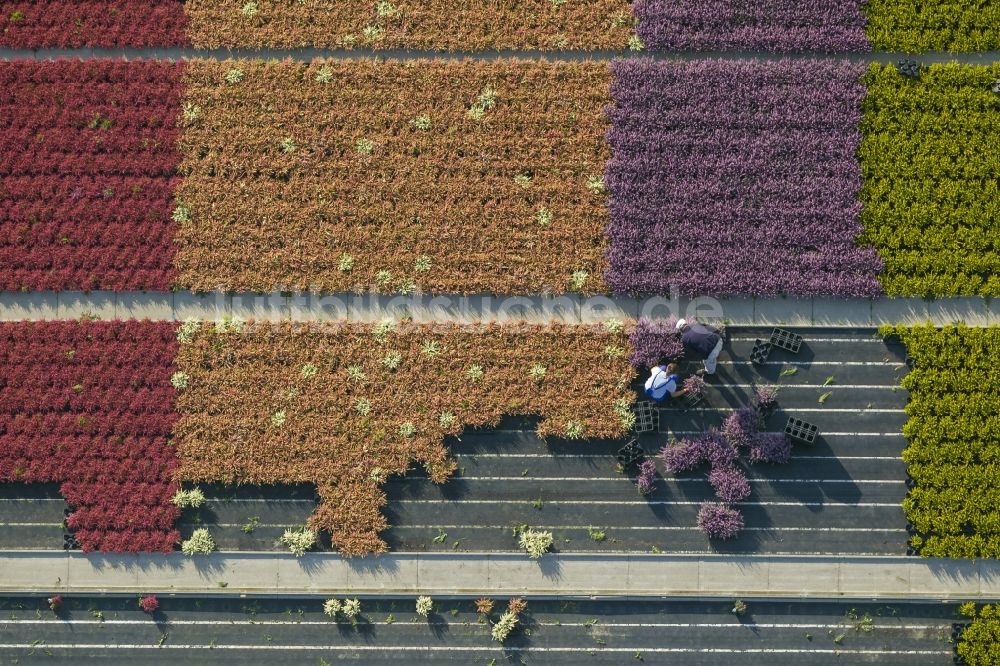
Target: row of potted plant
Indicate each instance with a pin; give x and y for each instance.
(930, 187)
(953, 436)
(347, 406)
(66, 416)
(699, 25)
(88, 160)
(429, 175)
(736, 177)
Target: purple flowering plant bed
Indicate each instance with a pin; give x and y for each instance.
(752, 25)
(725, 476)
(736, 178)
(686, 454)
(655, 341)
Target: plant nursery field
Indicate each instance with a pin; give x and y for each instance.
(438, 175)
(939, 25)
(737, 177)
(303, 291)
(544, 25)
(346, 407)
(765, 25)
(841, 494)
(75, 23)
(746, 193)
(343, 407)
(980, 641)
(430, 25)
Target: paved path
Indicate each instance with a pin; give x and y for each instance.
(571, 308)
(870, 578)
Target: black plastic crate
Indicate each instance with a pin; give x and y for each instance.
(647, 416)
(909, 68)
(786, 340)
(689, 400)
(630, 455)
(761, 350)
(800, 430)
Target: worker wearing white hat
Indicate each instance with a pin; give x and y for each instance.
(701, 341)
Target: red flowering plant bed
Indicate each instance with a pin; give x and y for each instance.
(90, 405)
(29, 24)
(87, 171)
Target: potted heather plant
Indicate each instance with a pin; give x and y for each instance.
(730, 484)
(770, 447)
(55, 602)
(425, 606)
(508, 621)
(504, 626)
(694, 386)
(684, 455)
(149, 603)
(351, 609)
(535, 542)
(765, 401)
(719, 521)
(694, 391)
(484, 606)
(741, 426)
(647, 477)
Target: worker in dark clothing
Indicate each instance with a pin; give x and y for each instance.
(702, 341)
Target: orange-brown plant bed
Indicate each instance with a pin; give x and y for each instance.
(429, 25)
(345, 406)
(442, 176)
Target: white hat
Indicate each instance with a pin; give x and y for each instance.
(681, 323)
